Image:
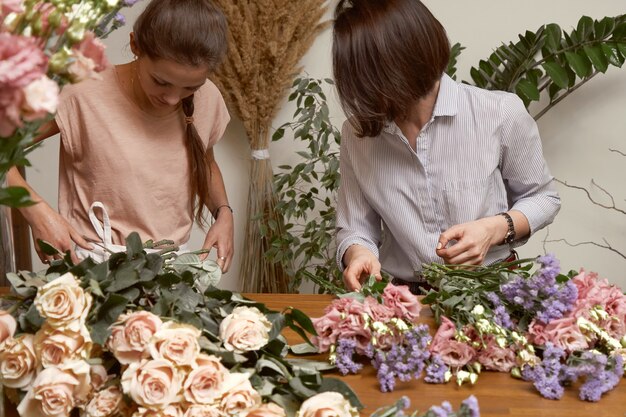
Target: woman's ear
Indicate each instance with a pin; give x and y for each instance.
(133, 44)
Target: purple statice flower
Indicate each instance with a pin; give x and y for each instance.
(403, 361)
(436, 370)
(129, 3)
(470, 404)
(445, 410)
(546, 375)
(119, 20)
(601, 374)
(344, 361)
(541, 294)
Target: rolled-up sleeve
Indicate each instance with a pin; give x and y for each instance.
(357, 222)
(528, 181)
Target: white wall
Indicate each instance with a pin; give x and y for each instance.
(577, 133)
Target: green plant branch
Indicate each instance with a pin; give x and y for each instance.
(565, 94)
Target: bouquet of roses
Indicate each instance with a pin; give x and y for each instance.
(147, 334)
(524, 317)
(43, 46)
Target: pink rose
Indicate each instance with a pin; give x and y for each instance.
(10, 110)
(455, 354)
(536, 333)
(7, 326)
(353, 327)
(327, 328)
(89, 59)
(131, 334)
(495, 358)
(52, 394)
(244, 330)
(566, 334)
(205, 383)
(327, 404)
(404, 303)
(152, 384)
(54, 346)
(63, 303)
(445, 332)
(99, 377)
(176, 342)
(21, 61)
(377, 311)
(240, 395)
(18, 362)
(266, 410)
(108, 402)
(196, 410)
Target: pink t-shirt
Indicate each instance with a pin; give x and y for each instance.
(133, 162)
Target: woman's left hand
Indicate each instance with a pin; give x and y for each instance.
(220, 236)
(473, 240)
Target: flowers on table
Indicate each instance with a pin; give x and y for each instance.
(138, 336)
(548, 328)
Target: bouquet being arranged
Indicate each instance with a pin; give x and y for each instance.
(149, 335)
(521, 317)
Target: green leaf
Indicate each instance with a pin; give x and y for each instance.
(310, 366)
(47, 248)
(15, 197)
(553, 36)
(134, 245)
(527, 90)
(597, 58)
(557, 73)
(303, 349)
(612, 54)
(579, 63)
(584, 28)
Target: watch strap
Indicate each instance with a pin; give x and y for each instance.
(510, 234)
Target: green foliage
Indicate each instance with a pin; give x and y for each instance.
(552, 61)
(455, 51)
(307, 192)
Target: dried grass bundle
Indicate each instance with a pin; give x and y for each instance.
(266, 42)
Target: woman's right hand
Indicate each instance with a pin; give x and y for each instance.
(48, 225)
(360, 264)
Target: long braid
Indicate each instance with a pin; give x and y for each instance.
(196, 155)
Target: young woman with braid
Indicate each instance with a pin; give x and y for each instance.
(136, 145)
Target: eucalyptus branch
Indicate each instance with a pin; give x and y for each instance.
(609, 207)
(565, 94)
(607, 245)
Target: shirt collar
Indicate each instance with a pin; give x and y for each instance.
(446, 104)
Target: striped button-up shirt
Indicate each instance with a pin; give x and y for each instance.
(480, 154)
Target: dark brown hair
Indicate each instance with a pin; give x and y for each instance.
(194, 33)
(387, 54)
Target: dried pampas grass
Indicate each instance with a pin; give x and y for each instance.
(267, 39)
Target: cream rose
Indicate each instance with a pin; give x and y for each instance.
(173, 410)
(52, 394)
(131, 334)
(266, 410)
(205, 383)
(239, 395)
(197, 410)
(99, 376)
(152, 384)
(18, 362)
(7, 326)
(107, 402)
(54, 346)
(245, 329)
(176, 342)
(63, 303)
(327, 404)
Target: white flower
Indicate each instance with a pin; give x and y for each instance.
(245, 329)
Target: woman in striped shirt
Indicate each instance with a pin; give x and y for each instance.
(431, 170)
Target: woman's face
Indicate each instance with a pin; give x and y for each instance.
(165, 83)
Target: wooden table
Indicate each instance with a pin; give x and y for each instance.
(498, 394)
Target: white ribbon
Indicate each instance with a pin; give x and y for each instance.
(260, 154)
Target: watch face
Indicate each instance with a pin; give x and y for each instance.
(509, 237)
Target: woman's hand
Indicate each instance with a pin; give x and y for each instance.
(360, 264)
(472, 240)
(48, 225)
(220, 236)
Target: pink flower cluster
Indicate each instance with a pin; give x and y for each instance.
(457, 354)
(347, 317)
(27, 93)
(593, 292)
